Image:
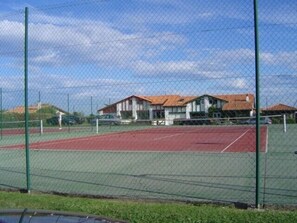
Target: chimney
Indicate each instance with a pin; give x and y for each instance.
(247, 98)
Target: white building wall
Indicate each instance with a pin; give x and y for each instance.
(119, 109)
(206, 104)
(151, 113)
(188, 110)
(198, 108)
(134, 108)
(126, 105)
(170, 116)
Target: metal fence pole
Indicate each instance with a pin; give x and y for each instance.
(39, 114)
(68, 110)
(257, 85)
(91, 116)
(91, 105)
(26, 104)
(1, 114)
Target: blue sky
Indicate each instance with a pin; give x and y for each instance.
(111, 49)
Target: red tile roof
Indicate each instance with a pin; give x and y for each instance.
(236, 97)
(234, 101)
(169, 100)
(280, 107)
(32, 108)
(160, 99)
(237, 102)
(237, 106)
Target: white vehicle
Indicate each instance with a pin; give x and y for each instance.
(107, 119)
(263, 120)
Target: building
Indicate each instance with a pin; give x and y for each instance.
(166, 108)
(281, 109)
(34, 108)
(217, 106)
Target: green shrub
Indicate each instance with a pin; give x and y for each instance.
(291, 121)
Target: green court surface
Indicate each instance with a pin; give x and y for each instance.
(185, 176)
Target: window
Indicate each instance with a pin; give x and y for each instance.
(177, 109)
(158, 114)
(143, 115)
(200, 101)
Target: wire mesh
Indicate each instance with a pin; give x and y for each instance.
(12, 162)
(157, 101)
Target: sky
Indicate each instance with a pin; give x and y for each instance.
(84, 54)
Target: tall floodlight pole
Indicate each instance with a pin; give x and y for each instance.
(26, 104)
(257, 85)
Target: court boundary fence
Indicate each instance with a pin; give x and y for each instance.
(41, 124)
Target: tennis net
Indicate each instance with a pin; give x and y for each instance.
(18, 127)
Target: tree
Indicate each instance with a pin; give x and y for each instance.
(47, 110)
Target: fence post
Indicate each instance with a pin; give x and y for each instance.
(91, 116)
(257, 79)
(91, 105)
(1, 114)
(26, 104)
(68, 106)
(39, 115)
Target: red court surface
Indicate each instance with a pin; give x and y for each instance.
(165, 139)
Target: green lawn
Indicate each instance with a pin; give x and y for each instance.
(144, 212)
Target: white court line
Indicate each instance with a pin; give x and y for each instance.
(164, 137)
(234, 141)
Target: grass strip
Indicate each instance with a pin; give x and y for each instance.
(143, 211)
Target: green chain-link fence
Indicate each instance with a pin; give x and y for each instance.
(151, 100)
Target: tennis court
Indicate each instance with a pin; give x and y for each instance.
(195, 163)
(219, 139)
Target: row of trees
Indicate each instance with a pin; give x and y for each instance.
(41, 114)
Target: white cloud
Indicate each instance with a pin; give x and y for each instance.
(179, 67)
(159, 43)
(94, 42)
(239, 83)
(286, 59)
(12, 83)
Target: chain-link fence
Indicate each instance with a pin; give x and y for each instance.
(151, 100)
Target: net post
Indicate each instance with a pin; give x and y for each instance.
(41, 127)
(284, 123)
(97, 125)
